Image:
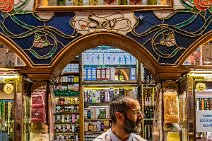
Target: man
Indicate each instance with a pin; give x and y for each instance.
(125, 113)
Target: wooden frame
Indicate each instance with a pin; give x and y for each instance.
(42, 5)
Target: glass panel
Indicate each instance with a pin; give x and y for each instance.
(201, 56)
(9, 58)
(101, 4)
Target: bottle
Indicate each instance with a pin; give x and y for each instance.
(89, 114)
(98, 126)
(102, 126)
(203, 104)
(90, 126)
(197, 104)
(73, 128)
(95, 127)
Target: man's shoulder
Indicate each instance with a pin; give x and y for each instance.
(138, 138)
(103, 137)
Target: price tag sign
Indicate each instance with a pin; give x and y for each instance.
(204, 121)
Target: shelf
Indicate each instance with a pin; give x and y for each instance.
(92, 132)
(67, 83)
(109, 83)
(97, 104)
(65, 96)
(149, 119)
(65, 133)
(97, 119)
(149, 105)
(67, 104)
(66, 113)
(66, 123)
(70, 73)
(66, 93)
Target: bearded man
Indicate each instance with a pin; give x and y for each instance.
(126, 117)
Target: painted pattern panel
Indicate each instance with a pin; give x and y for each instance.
(168, 38)
(165, 38)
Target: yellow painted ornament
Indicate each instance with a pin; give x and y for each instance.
(200, 87)
(8, 88)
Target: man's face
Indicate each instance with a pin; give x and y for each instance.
(132, 123)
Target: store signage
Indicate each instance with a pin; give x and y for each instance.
(204, 121)
(110, 21)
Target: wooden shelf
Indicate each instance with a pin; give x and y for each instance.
(70, 73)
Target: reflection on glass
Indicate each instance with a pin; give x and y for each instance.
(101, 2)
(201, 56)
(9, 58)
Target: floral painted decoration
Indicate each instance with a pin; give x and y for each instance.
(203, 5)
(6, 5)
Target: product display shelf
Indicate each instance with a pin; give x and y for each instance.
(66, 118)
(96, 106)
(106, 73)
(148, 108)
(110, 82)
(66, 101)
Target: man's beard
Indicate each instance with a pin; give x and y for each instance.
(131, 126)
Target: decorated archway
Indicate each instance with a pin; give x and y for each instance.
(104, 38)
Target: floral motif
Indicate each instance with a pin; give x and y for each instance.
(6, 5)
(203, 5)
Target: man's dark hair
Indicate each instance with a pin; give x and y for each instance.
(119, 104)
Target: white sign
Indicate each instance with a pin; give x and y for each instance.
(204, 121)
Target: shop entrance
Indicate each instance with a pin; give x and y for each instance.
(87, 84)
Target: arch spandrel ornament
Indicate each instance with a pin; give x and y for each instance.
(42, 42)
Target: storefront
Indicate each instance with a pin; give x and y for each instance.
(186, 111)
(57, 93)
(81, 96)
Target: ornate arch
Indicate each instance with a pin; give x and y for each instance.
(104, 38)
